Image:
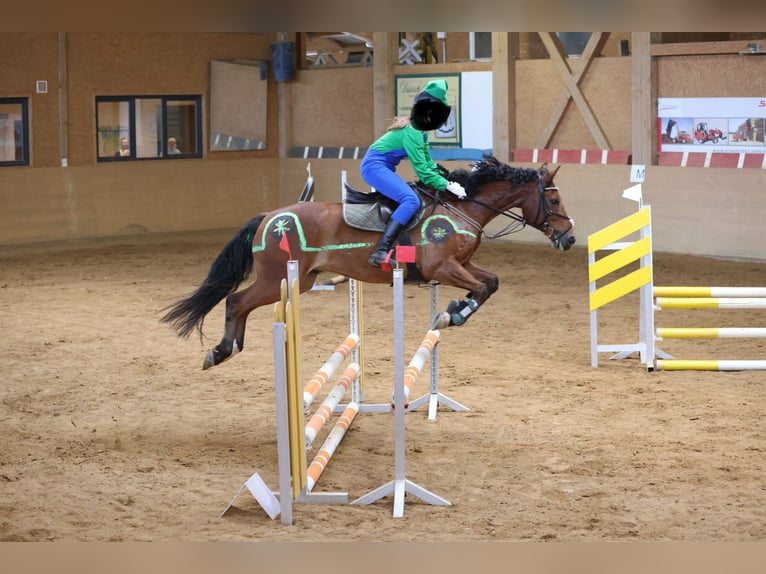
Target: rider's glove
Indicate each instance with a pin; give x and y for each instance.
(456, 189)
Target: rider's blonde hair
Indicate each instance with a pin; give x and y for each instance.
(398, 123)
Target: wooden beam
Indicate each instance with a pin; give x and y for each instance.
(284, 105)
(702, 48)
(559, 57)
(63, 95)
(505, 50)
(384, 55)
(643, 99)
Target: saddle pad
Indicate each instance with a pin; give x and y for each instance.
(364, 216)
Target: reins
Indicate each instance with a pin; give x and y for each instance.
(518, 222)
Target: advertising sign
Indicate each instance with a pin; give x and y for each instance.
(722, 125)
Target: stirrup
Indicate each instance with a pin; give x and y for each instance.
(376, 258)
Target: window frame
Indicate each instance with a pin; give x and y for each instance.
(163, 99)
(25, 160)
(472, 41)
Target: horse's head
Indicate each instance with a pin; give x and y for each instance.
(550, 215)
(495, 188)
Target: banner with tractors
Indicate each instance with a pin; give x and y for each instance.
(733, 125)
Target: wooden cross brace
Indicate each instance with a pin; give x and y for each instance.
(571, 86)
(409, 52)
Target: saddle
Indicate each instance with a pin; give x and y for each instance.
(370, 211)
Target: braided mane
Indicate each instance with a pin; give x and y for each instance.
(490, 169)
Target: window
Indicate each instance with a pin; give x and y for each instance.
(480, 45)
(148, 127)
(238, 105)
(14, 131)
(574, 42)
(331, 49)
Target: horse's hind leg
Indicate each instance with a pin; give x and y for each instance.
(238, 307)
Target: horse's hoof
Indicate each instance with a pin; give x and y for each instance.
(209, 361)
(441, 321)
(453, 306)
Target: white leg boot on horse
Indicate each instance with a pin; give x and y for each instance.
(457, 313)
(393, 229)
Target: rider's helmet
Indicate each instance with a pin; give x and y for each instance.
(430, 109)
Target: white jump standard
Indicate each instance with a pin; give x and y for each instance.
(653, 299)
(400, 485)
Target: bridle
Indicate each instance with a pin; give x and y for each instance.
(544, 208)
(518, 222)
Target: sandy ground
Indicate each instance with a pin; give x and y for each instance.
(113, 432)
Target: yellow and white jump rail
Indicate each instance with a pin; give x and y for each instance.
(652, 299)
(676, 297)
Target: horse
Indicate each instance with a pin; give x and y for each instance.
(446, 235)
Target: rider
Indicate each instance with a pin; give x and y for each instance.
(408, 137)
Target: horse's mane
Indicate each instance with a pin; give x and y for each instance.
(490, 169)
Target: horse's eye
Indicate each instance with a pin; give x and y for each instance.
(555, 201)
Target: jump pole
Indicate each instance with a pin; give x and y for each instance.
(434, 398)
(295, 479)
(400, 485)
(309, 474)
(709, 365)
(710, 303)
(680, 291)
(682, 297)
(652, 298)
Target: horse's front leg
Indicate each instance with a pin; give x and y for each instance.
(488, 278)
(458, 312)
(480, 284)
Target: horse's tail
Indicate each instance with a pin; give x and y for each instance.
(232, 266)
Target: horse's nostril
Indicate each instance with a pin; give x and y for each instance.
(572, 240)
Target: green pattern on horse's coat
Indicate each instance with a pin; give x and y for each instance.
(433, 230)
(281, 225)
(429, 232)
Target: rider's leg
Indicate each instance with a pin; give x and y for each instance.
(391, 185)
(393, 229)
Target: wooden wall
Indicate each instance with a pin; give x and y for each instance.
(332, 107)
(26, 57)
(606, 87)
(723, 75)
(715, 212)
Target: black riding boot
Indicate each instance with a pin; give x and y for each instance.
(393, 229)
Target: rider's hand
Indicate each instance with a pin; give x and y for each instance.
(456, 189)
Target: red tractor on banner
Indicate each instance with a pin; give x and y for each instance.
(684, 137)
(673, 134)
(702, 134)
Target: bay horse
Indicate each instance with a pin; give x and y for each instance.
(445, 237)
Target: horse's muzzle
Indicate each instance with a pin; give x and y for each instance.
(564, 242)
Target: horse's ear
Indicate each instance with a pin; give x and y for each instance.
(547, 176)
